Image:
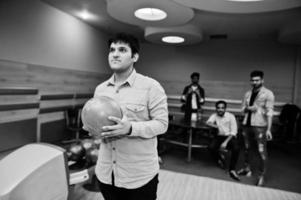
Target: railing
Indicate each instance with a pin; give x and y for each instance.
(208, 108)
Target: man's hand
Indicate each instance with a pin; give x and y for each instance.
(202, 100)
(190, 90)
(118, 130)
(214, 125)
(269, 135)
(224, 145)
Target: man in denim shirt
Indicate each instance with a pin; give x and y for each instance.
(127, 165)
(258, 106)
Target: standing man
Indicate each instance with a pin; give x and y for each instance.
(127, 166)
(226, 124)
(258, 106)
(193, 97)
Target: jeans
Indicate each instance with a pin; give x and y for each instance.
(257, 135)
(232, 146)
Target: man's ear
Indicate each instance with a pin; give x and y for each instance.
(135, 57)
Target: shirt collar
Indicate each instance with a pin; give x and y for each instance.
(130, 80)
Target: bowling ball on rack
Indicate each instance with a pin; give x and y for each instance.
(76, 152)
(96, 111)
(91, 156)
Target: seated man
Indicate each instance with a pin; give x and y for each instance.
(226, 124)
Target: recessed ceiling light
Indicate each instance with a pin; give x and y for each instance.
(150, 14)
(85, 15)
(173, 39)
(245, 0)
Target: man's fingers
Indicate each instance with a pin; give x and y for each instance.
(114, 119)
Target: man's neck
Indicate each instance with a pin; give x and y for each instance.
(221, 115)
(120, 77)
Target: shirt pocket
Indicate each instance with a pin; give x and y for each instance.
(136, 112)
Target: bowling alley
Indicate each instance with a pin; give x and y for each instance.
(150, 99)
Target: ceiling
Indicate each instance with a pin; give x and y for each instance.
(195, 20)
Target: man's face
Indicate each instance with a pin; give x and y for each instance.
(195, 80)
(120, 57)
(256, 82)
(220, 109)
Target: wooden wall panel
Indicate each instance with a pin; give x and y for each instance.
(227, 90)
(51, 123)
(65, 88)
(60, 89)
(54, 131)
(234, 106)
(17, 133)
(19, 108)
(48, 79)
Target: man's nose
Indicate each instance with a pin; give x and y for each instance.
(115, 54)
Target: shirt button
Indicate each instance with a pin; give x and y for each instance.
(114, 148)
(114, 162)
(117, 91)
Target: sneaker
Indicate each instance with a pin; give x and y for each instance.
(245, 172)
(234, 175)
(260, 181)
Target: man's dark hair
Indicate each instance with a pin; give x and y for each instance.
(221, 102)
(131, 40)
(257, 73)
(195, 74)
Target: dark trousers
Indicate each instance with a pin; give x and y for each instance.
(146, 192)
(257, 135)
(232, 146)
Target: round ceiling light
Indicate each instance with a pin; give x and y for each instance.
(173, 39)
(150, 14)
(85, 15)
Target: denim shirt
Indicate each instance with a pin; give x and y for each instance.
(134, 159)
(264, 103)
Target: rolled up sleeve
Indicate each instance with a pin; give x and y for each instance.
(233, 126)
(270, 104)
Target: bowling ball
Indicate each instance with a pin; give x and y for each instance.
(76, 152)
(96, 111)
(91, 156)
(88, 144)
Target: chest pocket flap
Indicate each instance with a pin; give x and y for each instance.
(135, 107)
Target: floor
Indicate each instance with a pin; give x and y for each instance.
(284, 168)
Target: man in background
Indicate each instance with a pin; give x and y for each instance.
(258, 104)
(226, 137)
(193, 97)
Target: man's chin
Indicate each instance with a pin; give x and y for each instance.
(256, 87)
(116, 68)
